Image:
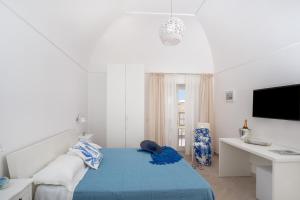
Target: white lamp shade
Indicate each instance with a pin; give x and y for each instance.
(171, 32)
(80, 119)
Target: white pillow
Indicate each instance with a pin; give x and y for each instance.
(62, 171)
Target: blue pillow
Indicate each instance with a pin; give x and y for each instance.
(150, 146)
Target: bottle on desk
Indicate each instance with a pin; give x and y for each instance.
(245, 132)
(245, 124)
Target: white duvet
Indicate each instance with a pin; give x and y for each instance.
(51, 192)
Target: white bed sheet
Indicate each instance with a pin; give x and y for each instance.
(51, 192)
(57, 192)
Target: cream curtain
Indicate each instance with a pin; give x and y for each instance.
(192, 107)
(199, 106)
(155, 108)
(171, 110)
(162, 107)
(206, 104)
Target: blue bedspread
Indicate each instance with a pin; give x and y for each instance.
(126, 174)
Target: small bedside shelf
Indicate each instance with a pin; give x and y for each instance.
(86, 137)
(18, 189)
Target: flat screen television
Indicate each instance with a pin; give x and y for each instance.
(277, 103)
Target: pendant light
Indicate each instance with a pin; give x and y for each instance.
(171, 32)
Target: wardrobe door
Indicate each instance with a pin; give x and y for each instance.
(116, 81)
(134, 105)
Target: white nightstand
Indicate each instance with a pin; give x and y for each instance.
(18, 189)
(86, 137)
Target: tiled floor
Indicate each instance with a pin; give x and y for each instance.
(229, 188)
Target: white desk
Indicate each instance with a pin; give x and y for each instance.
(236, 157)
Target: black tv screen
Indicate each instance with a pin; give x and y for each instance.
(277, 103)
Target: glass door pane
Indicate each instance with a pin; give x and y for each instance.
(181, 116)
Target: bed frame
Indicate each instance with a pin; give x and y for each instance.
(25, 162)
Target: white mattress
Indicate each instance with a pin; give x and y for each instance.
(50, 192)
(57, 192)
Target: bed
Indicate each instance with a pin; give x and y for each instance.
(124, 174)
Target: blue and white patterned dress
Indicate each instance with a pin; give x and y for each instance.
(203, 146)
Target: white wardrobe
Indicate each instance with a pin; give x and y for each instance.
(125, 105)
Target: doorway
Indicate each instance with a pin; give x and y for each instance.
(181, 94)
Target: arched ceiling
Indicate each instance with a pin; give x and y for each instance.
(238, 30)
(162, 6)
(73, 25)
(243, 31)
(76, 25)
(135, 39)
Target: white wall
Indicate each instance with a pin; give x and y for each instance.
(72, 25)
(134, 39)
(255, 44)
(97, 107)
(240, 31)
(42, 91)
(279, 69)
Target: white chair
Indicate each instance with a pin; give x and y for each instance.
(203, 125)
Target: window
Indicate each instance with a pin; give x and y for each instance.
(181, 116)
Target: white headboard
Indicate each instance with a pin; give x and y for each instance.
(26, 162)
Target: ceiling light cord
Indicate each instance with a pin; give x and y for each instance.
(171, 8)
(171, 32)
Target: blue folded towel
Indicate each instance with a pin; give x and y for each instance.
(167, 155)
(160, 155)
